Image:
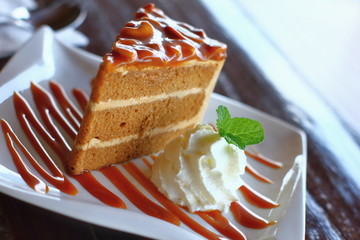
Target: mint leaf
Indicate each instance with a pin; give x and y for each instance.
(238, 131)
(223, 119)
(236, 140)
(248, 130)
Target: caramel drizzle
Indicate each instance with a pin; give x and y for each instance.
(46, 106)
(263, 159)
(136, 197)
(257, 199)
(155, 38)
(220, 223)
(252, 171)
(81, 98)
(27, 119)
(248, 218)
(71, 113)
(30, 179)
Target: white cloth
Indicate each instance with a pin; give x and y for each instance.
(12, 37)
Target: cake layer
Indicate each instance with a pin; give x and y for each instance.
(146, 99)
(99, 157)
(96, 143)
(134, 82)
(139, 118)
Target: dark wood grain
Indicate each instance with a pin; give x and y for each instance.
(333, 198)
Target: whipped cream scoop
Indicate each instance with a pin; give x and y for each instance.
(200, 170)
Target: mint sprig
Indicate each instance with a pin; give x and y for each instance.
(238, 131)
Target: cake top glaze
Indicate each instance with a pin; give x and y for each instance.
(154, 38)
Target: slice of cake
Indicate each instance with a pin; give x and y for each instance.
(152, 86)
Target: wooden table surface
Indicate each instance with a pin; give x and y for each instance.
(333, 196)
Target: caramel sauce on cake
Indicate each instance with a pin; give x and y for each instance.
(153, 38)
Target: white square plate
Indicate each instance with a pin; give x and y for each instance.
(44, 58)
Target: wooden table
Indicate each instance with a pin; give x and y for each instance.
(333, 194)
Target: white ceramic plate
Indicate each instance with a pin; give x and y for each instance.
(44, 58)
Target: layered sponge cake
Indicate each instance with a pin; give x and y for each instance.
(152, 86)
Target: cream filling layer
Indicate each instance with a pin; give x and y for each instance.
(96, 143)
(147, 99)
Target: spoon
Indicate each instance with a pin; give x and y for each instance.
(57, 15)
(17, 28)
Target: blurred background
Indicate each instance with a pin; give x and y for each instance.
(318, 39)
